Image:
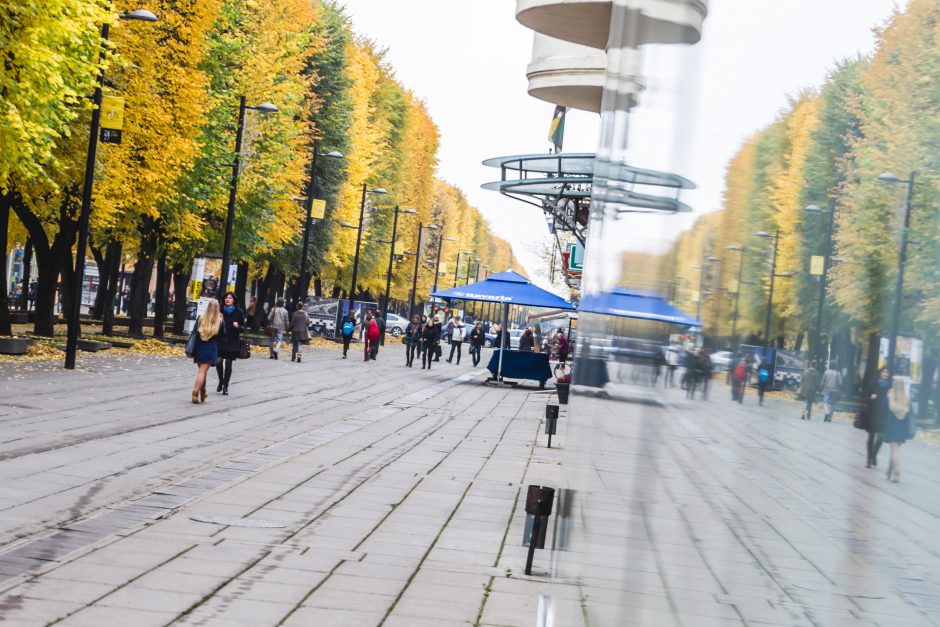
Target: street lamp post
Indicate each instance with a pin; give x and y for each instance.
(303, 282)
(265, 107)
(827, 254)
(391, 258)
(75, 309)
(362, 213)
(437, 262)
(887, 177)
(735, 344)
(457, 264)
(414, 278)
(770, 295)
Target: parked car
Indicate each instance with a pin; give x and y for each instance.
(395, 325)
(722, 360)
(514, 335)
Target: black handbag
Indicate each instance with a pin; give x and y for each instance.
(191, 342)
(861, 420)
(244, 351)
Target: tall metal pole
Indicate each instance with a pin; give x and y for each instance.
(75, 309)
(414, 279)
(735, 343)
(388, 275)
(303, 282)
(437, 262)
(457, 267)
(233, 193)
(770, 295)
(827, 253)
(899, 284)
(355, 272)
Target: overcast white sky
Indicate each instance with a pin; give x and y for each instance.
(467, 60)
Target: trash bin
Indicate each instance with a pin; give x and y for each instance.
(562, 390)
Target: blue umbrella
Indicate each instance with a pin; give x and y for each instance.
(508, 288)
(636, 304)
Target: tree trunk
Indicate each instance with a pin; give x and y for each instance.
(99, 256)
(6, 200)
(113, 260)
(159, 303)
(180, 297)
(27, 271)
(265, 295)
(317, 286)
(140, 280)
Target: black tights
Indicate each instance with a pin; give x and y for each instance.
(410, 353)
(346, 340)
(224, 374)
(428, 356)
(874, 445)
(455, 345)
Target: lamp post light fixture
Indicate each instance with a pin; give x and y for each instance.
(414, 278)
(75, 308)
(303, 281)
(264, 107)
(823, 279)
(362, 213)
(890, 178)
(391, 259)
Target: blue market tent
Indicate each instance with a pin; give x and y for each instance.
(636, 304)
(506, 287)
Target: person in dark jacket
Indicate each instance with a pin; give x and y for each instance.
(233, 321)
(299, 331)
(205, 353)
(380, 322)
(346, 329)
(527, 341)
(411, 339)
(877, 414)
(477, 340)
(430, 339)
(809, 386)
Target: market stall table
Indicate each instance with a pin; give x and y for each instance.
(521, 365)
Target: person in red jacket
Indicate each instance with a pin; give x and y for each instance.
(372, 336)
(739, 381)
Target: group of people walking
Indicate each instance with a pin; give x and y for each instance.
(423, 337)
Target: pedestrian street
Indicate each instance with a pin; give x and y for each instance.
(348, 493)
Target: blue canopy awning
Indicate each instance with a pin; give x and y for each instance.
(636, 304)
(506, 287)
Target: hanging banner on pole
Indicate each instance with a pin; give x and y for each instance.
(556, 133)
(318, 209)
(816, 265)
(112, 119)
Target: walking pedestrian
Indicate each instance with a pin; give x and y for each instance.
(411, 339)
(809, 384)
(380, 322)
(705, 372)
(739, 381)
(877, 416)
(371, 337)
(206, 351)
(279, 321)
(346, 329)
(299, 331)
(898, 427)
(763, 378)
(439, 331)
(477, 340)
(233, 321)
(431, 339)
(692, 375)
(672, 363)
(562, 343)
(457, 332)
(831, 388)
(250, 313)
(526, 341)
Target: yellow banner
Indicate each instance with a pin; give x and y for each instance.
(816, 265)
(112, 112)
(318, 209)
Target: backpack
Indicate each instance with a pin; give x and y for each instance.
(348, 327)
(763, 375)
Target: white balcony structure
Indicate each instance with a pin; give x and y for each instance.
(572, 75)
(587, 22)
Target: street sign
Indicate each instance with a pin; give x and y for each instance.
(318, 209)
(112, 112)
(110, 136)
(816, 265)
(575, 257)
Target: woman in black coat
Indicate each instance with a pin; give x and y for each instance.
(233, 321)
(430, 339)
(877, 413)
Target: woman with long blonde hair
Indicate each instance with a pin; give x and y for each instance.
(206, 353)
(897, 425)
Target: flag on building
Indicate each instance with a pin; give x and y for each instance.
(556, 134)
